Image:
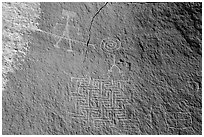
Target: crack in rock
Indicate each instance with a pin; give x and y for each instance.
(92, 20)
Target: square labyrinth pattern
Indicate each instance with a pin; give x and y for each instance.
(179, 122)
(100, 102)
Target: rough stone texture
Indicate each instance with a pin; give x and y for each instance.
(104, 68)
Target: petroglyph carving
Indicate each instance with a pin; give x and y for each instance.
(96, 99)
(61, 32)
(110, 45)
(129, 126)
(65, 38)
(178, 120)
(68, 14)
(114, 65)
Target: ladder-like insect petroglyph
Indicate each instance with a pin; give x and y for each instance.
(178, 120)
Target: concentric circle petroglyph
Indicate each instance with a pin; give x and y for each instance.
(110, 45)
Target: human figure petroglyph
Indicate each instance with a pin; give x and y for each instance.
(110, 46)
(66, 33)
(66, 38)
(68, 14)
(114, 65)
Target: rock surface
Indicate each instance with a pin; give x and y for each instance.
(102, 68)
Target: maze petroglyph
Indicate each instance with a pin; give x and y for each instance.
(99, 101)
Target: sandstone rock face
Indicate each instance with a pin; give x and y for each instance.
(102, 68)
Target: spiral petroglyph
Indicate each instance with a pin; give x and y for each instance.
(110, 45)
